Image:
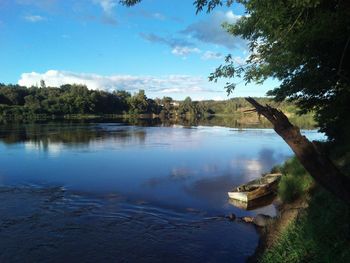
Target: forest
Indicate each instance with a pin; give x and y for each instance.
(76, 99)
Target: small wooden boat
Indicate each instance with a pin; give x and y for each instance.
(255, 203)
(256, 188)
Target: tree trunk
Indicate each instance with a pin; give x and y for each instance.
(319, 166)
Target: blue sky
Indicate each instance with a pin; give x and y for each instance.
(160, 46)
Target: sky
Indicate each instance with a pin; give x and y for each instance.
(160, 46)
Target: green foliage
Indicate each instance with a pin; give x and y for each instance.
(68, 99)
(293, 166)
(192, 108)
(294, 182)
(321, 234)
(21, 102)
(290, 188)
(306, 45)
(138, 103)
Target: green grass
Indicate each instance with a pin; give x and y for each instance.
(321, 233)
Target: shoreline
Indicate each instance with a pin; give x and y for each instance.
(269, 234)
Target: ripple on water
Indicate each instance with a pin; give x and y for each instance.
(52, 224)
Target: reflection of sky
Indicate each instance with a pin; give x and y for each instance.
(52, 148)
(170, 166)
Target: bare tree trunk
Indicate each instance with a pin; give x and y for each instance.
(319, 166)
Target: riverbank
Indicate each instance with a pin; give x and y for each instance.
(271, 233)
(312, 225)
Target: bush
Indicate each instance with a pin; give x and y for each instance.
(293, 166)
(294, 182)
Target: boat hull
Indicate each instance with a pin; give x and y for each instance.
(258, 190)
(253, 204)
(241, 196)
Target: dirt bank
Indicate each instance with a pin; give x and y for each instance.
(269, 234)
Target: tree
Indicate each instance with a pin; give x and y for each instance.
(42, 84)
(310, 154)
(186, 106)
(138, 103)
(167, 104)
(122, 97)
(305, 45)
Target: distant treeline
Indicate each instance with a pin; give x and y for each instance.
(69, 99)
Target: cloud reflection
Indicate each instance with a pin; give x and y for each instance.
(210, 188)
(52, 148)
(179, 175)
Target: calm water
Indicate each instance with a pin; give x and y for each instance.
(93, 192)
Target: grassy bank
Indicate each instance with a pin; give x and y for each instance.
(320, 232)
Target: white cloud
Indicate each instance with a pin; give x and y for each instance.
(163, 85)
(210, 30)
(209, 55)
(34, 18)
(180, 47)
(184, 51)
(230, 17)
(149, 15)
(158, 16)
(107, 5)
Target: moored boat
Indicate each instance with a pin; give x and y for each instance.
(256, 188)
(255, 203)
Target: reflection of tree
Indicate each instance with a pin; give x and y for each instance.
(82, 132)
(69, 133)
(232, 121)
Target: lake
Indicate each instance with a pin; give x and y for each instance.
(112, 191)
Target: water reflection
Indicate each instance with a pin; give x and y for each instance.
(168, 166)
(82, 131)
(53, 137)
(154, 189)
(210, 188)
(53, 148)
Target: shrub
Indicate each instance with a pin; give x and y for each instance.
(294, 182)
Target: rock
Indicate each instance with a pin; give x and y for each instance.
(262, 220)
(231, 217)
(248, 219)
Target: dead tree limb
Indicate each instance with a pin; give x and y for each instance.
(319, 166)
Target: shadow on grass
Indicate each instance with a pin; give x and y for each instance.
(320, 234)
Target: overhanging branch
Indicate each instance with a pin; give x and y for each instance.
(319, 166)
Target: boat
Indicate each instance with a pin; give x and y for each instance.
(255, 203)
(257, 188)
